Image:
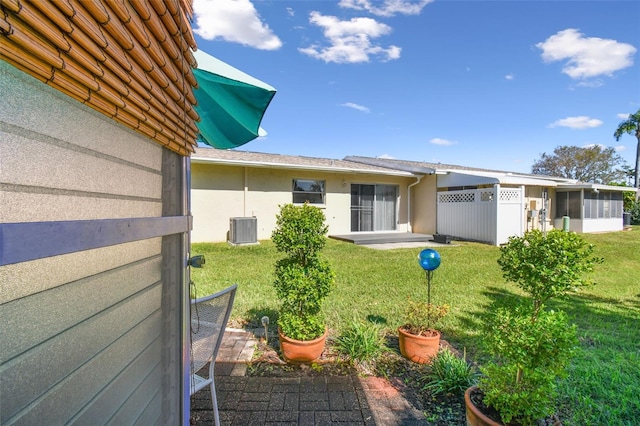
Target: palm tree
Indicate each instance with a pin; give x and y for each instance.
(631, 126)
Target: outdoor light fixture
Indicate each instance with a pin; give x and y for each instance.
(197, 261)
(265, 324)
(429, 259)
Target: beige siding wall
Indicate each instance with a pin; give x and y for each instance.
(220, 192)
(79, 331)
(423, 205)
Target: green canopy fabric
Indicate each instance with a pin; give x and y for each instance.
(231, 103)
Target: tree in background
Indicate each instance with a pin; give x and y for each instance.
(593, 164)
(631, 126)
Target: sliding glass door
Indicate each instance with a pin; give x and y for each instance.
(373, 207)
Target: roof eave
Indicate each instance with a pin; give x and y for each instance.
(334, 169)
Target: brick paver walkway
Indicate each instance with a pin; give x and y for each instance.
(317, 400)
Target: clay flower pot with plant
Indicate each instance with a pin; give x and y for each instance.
(418, 338)
(531, 345)
(303, 280)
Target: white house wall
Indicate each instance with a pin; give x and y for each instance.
(81, 332)
(221, 192)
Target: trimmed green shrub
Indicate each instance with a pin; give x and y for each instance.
(532, 346)
(303, 279)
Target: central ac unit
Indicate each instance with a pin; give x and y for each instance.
(243, 230)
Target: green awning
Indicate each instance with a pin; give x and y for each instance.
(231, 103)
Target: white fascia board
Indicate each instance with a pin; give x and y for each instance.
(598, 187)
(470, 177)
(298, 167)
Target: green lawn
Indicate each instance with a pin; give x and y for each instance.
(373, 285)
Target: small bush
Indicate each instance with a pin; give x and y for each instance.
(450, 374)
(361, 342)
(635, 213)
(422, 317)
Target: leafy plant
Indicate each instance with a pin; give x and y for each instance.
(547, 266)
(303, 279)
(532, 346)
(362, 342)
(422, 317)
(635, 212)
(529, 357)
(450, 374)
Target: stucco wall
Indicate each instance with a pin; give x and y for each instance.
(220, 192)
(423, 206)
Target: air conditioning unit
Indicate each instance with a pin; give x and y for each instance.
(243, 230)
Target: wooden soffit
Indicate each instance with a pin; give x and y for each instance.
(128, 59)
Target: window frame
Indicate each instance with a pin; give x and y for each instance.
(304, 193)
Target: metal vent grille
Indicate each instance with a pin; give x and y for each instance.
(243, 230)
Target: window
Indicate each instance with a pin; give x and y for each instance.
(602, 205)
(568, 204)
(311, 191)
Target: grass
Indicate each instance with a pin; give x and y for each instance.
(374, 286)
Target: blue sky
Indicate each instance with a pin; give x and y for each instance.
(491, 84)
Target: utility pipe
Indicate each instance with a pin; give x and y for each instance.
(419, 178)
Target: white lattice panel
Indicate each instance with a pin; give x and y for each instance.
(486, 196)
(510, 195)
(456, 197)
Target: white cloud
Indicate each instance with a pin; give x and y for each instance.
(590, 83)
(388, 7)
(355, 106)
(350, 41)
(580, 122)
(620, 148)
(623, 116)
(586, 57)
(387, 157)
(509, 76)
(290, 11)
(442, 142)
(235, 21)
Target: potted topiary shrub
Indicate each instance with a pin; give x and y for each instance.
(531, 345)
(418, 338)
(303, 280)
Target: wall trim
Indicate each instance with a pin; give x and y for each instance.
(22, 242)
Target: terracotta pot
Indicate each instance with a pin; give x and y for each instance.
(474, 416)
(302, 350)
(418, 349)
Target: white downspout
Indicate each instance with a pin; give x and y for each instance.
(246, 189)
(409, 227)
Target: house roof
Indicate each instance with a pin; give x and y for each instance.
(420, 167)
(129, 60)
(450, 175)
(257, 159)
(471, 177)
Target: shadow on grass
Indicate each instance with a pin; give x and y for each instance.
(255, 315)
(604, 381)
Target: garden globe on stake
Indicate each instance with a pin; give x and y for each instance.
(418, 339)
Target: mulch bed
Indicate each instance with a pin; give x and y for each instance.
(439, 410)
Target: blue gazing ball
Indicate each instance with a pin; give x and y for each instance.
(429, 259)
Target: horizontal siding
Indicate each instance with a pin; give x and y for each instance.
(23, 279)
(111, 366)
(26, 324)
(18, 202)
(44, 165)
(60, 356)
(28, 104)
(82, 332)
